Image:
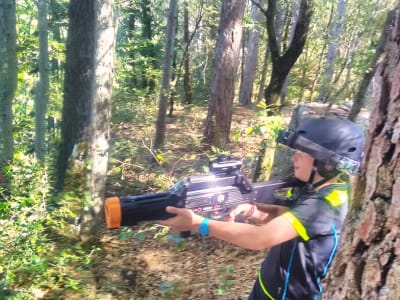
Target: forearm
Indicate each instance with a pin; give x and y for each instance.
(241, 234)
(244, 235)
(267, 212)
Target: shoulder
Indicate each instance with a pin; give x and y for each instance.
(335, 194)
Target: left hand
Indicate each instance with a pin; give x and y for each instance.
(185, 219)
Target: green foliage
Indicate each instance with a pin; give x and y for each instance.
(38, 250)
(225, 280)
(265, 125)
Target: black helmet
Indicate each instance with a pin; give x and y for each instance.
(333, 141)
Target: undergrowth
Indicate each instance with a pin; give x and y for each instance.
(40, 257)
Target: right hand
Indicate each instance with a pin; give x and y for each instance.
(243, 210)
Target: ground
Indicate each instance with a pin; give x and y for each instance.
(146, 261)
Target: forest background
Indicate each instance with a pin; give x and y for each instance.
(103, 98)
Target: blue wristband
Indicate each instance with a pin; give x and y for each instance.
(203, 227)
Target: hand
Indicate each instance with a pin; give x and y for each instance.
(185, 219)
(244, 210)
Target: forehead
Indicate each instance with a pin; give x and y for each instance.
(301, 154)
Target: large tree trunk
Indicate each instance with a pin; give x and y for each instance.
(368, 265)
(281, 64)
(78, 84)
(8, 78)
(101, 115)
(226, 62)
(42, 95)
(167, 71)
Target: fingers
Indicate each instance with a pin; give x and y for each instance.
(173, 221)
(173, 210)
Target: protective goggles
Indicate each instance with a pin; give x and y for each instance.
(296, 141)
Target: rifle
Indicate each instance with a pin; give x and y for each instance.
(212, 195)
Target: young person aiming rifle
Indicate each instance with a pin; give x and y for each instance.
(303, 238)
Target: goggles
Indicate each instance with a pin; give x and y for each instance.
(296, 141)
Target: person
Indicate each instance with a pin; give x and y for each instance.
(304, 238)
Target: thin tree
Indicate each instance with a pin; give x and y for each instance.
(167, 71)
(335, 36)
(367, 266)
(8, 78)
(246, 87)
(283, 62)
(187, 86)
(226, 61)
(42, 90)
(359, 99)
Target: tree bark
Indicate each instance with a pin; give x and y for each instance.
(368, 264)
(226, 62)
(166, 77)
(42, 95)
(246, 87)
(8, 78)
(91, 216)
(77, 85)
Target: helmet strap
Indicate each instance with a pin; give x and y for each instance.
(310, 186)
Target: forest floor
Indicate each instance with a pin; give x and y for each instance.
(146, 261)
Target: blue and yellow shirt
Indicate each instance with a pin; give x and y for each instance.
(294, 269)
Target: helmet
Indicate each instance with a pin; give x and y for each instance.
(333, 142)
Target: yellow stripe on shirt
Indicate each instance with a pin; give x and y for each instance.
(266, 293)
(297, 225)
(337, 197)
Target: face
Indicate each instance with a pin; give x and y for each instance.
(302, 164)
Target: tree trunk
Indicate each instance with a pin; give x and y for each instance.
(148, 50)
(263, 75)
(186, 60)
(295, 16)
(336, 32)
(281, 64)
(101, 115)
(166, 77)
(77, 85)
(226, 62)
(358, 102)
(246, 87)
(368, 264)
(8, 78)
(42, 95)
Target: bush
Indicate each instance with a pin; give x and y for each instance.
(39, 254)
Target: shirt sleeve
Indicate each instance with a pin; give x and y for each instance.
(312, 217)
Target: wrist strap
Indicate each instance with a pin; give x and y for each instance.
(203, 227)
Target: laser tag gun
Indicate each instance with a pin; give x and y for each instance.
(212, 195)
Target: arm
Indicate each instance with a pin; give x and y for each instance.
(258, 212)
(244, 235)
